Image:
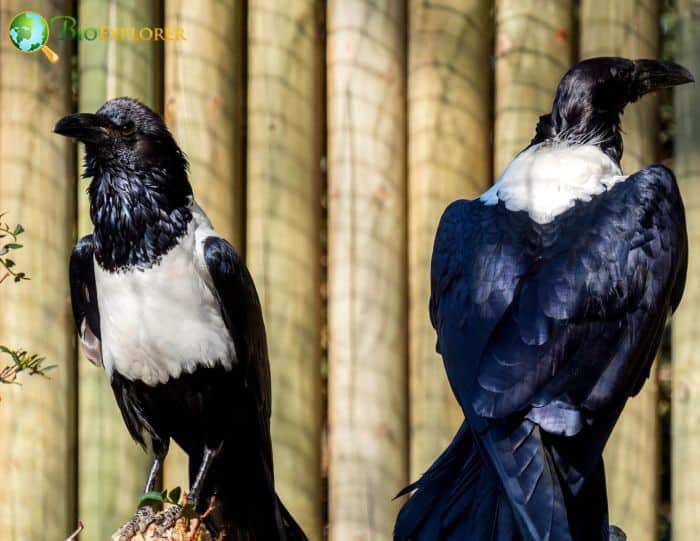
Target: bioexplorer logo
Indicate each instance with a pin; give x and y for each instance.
(29, 32)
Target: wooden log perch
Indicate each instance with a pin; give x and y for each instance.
(184, 529)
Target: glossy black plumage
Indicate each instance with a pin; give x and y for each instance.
(545, 330)
(143, 212)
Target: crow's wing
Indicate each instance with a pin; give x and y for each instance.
(555, 324)
(81, 273)
(242, 313)
(565, 316)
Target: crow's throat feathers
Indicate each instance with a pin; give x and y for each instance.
(137, 219)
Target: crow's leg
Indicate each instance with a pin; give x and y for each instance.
(160, 450)
(145, 516)
(207, 460)
(167, 519)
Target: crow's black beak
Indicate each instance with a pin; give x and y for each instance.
(85, 127)
(657, 74)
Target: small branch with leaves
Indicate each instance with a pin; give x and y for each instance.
(22, 361)
(8, 242)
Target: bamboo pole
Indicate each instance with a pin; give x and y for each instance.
(367, 266)
(449, 117)
(37, 188)
(685, 408)
(204, 108)
(112, 468)
(285, 118)
(629, 28)
(533, 51)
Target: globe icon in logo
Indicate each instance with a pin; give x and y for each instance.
(29, 32)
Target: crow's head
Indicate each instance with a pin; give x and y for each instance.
(127, 140)
(139, 194)
(592, 95)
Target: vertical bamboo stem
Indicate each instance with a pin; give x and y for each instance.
(285, 118)
(112, 468)
(367, 266)
(449, 117)
(629, 28)
(37, 187)
(685, 409)
(204, 90)
(533, 51)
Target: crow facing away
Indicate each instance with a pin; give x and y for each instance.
(169, 309)
(549, 296)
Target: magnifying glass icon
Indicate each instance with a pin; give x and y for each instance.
(29, 33)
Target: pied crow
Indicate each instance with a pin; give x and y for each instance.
(169, 309)
(549, 297)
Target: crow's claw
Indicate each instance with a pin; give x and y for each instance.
(167, 519)
(139, 523)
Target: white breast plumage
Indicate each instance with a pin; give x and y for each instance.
(165, 320)
(548, 179)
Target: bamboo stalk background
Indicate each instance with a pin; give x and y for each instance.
(685, 410)
(37, 187)
(533, 51)
(285, 119)
(367, 266)
(629, 28)
(204, 108)
(112, 468)
(449, 120)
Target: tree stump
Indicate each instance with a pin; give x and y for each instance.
(183, 530)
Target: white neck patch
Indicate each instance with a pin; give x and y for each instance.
(163, 321)
(548, 179)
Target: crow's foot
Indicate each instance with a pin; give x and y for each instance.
(139, 523)
(166, 520)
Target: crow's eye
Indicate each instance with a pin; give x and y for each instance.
(127, 129)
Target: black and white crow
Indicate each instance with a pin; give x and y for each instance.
(169, 309)
(549, 296)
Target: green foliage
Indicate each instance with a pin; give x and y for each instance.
(157, 498)
(8, 242)
(22, 362)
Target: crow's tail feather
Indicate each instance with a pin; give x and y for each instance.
(292, 530)
(511, 483)
(456, 499)
(246, 505)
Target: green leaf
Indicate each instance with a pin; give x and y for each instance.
(8, 263)
(16, 355)
(188, 511)
(18, 230)
(174, 495)
(13, 246)
(151, 498)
